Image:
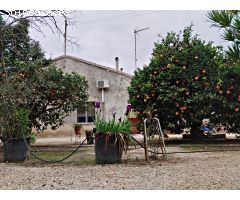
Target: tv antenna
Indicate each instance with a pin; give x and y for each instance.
(65, 41)
(135, 39)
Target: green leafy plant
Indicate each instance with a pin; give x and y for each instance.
(112, 126)
(77, 125)
(34, 82)
(229, 21)
(15, 125)
(120, 130)
(179, 84)
(14, 118)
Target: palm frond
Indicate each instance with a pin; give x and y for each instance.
(234, 52)
(236, 24)
(221, 18)
(229, 35)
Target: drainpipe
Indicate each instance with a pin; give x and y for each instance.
(103, 104)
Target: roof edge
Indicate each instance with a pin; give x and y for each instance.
(92, 63)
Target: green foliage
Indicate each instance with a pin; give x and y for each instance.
(112, 126)
(229, 20)
(54, 94)
(178, 86)
(15, 124)
(230, 86)
(16, 45)
(120, 130)
(32, 82)
(77, 125)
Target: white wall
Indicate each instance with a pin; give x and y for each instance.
(116, 96)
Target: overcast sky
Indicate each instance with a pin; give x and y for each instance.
(103, 35)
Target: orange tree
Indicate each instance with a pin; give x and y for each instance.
(182, 84)
(229, 88)
(30, 82)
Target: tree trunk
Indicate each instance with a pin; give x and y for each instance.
(196, 133)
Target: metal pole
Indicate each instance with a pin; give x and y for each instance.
(135, 38)
(103, 104)
(65, 43)
(162, 138)
(145, 140)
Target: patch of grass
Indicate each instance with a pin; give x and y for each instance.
(192, 146)
(209, 147)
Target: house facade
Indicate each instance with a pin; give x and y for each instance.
(105, 85)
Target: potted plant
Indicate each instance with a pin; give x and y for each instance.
(111, 140)
(89, 136)
(132, 117)
(15, 126)
(77, 128)
(15, 134)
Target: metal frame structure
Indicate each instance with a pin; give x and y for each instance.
(161, 138)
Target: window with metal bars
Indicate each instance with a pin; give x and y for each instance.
(87, 116)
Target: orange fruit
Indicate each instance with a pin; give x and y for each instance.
(182, 108)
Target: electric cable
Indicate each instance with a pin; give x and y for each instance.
(117, 17)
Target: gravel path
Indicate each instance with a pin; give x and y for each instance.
(181, 171)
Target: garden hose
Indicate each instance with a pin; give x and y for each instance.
(55, 161)
(141, 146)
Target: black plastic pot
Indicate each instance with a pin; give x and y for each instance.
(89, 136)
(15, 150)
(196, 134)
(107, 150)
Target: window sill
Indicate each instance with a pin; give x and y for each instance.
(86, 123)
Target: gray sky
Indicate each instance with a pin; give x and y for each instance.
(103, 35)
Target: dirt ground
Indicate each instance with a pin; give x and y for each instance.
(207, 170)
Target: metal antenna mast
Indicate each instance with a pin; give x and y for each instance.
(65, 42)
(135, 39)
